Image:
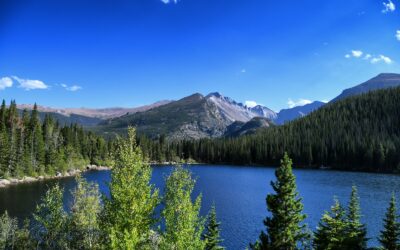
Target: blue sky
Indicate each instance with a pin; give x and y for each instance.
(70, 53)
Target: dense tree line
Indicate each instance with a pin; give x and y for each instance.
(357, 133)
(31, 147)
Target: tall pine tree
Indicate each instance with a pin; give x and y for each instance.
(284, 228)
(356, 231)
(212, 236)
(390, 235)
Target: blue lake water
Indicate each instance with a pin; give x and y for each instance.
(239, 195)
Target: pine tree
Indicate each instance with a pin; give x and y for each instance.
(183, 223)
(130, 209)
(356, 232)
(284, 228)
(212, 237)
(390, 235)
(37, 149)
(332, 229)
(12, 122)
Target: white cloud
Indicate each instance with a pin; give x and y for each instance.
(250, 104)
(381, 58)
(388, 7)
(74, 88)
(371, 58)
(398, 35)
(367, 56)
(169, 1)
(29, 84)
(5, 82)
(71, 88)
(357, 53)
(299, 102)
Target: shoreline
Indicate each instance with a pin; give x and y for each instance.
(4, 183)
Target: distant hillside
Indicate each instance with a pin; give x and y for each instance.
(192, 117)
(381, 81)
(291, 114)
(102, 113)
(87, 117)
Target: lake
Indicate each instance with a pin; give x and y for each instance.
(239, 195)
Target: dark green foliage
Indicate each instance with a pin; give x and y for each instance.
(284, 228)
(29, 147)
(390, 235)
(359, 133)
(212, 237)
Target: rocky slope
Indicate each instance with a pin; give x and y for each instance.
(192, 117)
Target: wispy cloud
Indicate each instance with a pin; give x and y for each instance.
(170, 1)
(381, 58)
(398, 35)
(71, 88)
(299, 102)
(250, 104)
(29, 84)
(356, 53)
(388, 7)
(5, 82)
(368, 57)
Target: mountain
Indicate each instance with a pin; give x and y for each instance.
(85, 116)
(381, 81)
(286, 115)
(240, 128)
(192, 117)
